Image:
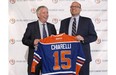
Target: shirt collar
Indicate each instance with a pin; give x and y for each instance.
(41, 22)
(77, 17)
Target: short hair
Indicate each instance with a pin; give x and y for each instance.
(40, 8)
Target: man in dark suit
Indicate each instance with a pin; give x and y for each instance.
(83, 30)
(35, 31)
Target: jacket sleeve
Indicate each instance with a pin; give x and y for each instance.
(62, 30)
(91, 34)
(53, 30)
(27, 39)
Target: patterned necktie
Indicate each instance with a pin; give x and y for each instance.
(44, 31)
(74, 27)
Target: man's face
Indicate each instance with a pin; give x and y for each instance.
(43, 15)
(75, 8)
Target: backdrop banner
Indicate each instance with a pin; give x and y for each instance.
(22, 12)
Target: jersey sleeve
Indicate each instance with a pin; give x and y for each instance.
(36, 58)
(80, 59)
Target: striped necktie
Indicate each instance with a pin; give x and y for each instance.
(44, 31)
(74, 27)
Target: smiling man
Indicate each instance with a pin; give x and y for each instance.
(83, 29)
(35, 31)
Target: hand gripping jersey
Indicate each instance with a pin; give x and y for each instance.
(60, 55)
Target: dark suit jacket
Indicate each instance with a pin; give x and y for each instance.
(85, 29)
(33, 32)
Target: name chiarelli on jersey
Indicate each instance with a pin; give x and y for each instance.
(60, 55)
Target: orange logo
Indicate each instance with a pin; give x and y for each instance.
(98, 20)
(12, 61)
(98, 41)
(12, 41)
(98, 61)
(55, 1)
(97, 1)
(33, 10)
(12, 1)
(54, 20)
(12, 21)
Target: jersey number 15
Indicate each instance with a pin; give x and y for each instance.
(67, 60)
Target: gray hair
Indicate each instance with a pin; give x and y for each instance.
(40, 8)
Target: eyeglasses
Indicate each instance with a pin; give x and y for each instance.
(75, 7)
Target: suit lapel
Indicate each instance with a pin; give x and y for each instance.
(37, 30)
(79, 25)
(67, 23)
(49, 29)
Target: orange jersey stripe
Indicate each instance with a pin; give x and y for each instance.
(80, 61)
(58, 38)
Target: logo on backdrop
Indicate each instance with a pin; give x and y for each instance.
(39, 0)
(98, 41)
(55, 1)
(12, 1)
(12, 20)
(33, 10)
(98, 20)
(12, 41)
(12, 61)
(97, 1)
(98, 61)
(54, 20)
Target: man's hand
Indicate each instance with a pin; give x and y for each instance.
(80, 38)
(36, 41)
